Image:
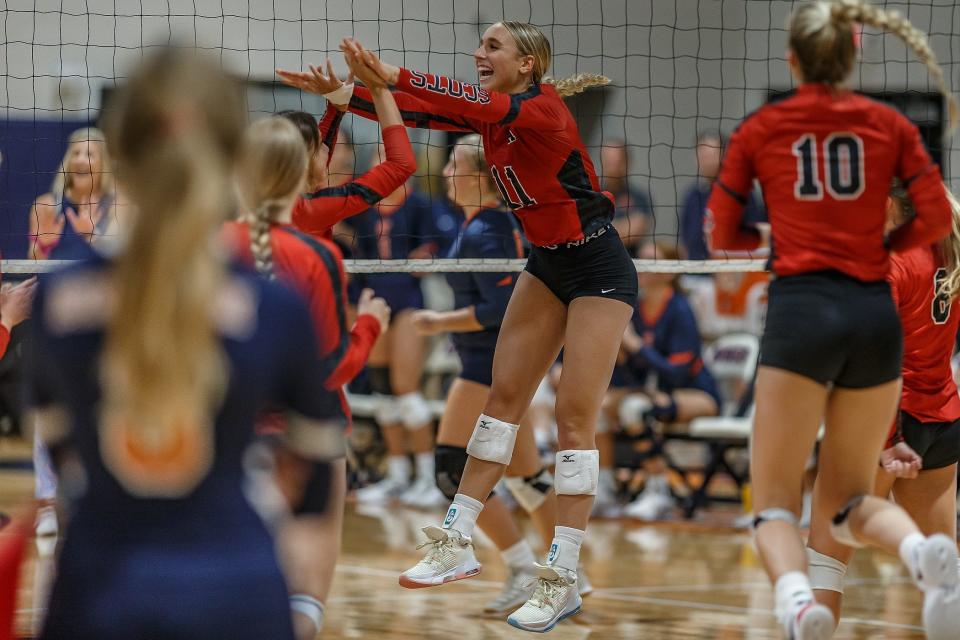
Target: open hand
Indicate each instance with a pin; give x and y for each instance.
(315, 81)
(388, 73)
(16, 302)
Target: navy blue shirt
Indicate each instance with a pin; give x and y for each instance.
(671, 348)
(126, 547)
(492, 233)
(72, 245)
(692, 213)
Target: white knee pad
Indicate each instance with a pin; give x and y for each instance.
(414, 411)
(530, 492)
(387, 413)
(578, 472)
(775, 513)
(632, 408)
(826, 573)
(492, 440)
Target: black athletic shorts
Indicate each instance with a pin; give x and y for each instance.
(938, 443)
(597, 266)
(832, 328)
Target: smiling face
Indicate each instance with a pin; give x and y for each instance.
(500, 65)
(84, 159)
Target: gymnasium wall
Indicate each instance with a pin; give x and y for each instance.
(677, 67)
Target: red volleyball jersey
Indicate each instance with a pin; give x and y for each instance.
(314, 268)
(4, 339)
(317, 212)
(531, 144)
(825, 160)
(930, 324)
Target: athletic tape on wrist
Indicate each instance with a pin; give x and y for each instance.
(309, 606)
(340, 96)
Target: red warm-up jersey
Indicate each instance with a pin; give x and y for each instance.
(317, 212)
(531, 144)
(825, 160)
(930, 324)
(314, 268)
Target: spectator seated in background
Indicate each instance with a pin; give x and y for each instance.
(634, 210)
(709, 154)
(728, 302)
(80, 206)
(660, 380)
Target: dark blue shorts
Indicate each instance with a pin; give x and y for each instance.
(476, 365)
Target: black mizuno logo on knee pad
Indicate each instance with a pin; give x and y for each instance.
(568, 457)
(483, 424)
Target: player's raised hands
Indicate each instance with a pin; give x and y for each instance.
(317, 80)
(388, 73)
(366, 75)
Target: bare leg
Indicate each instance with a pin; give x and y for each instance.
(525, 463)
(931, 500)
(594, 328)
(530, 338)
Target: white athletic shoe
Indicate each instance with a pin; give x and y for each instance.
(516, 590)
(937, 577)
(554, 598)
(584, 586)
(423, 494)
(381, 492)
(449, 557)
(651, 504)
(808, 621)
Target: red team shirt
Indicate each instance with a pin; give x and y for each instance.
(930, 325)
(313, 267)
(825, 161)
(531, 144)
(4, 339)
(317, 212)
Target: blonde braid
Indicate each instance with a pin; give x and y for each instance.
(950, 252)
(260, 247)
(894, 22)
(576, 84)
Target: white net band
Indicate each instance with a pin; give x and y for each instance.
(460, 265)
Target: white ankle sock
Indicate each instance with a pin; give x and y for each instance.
(398, 469)
(462, 514)
(791, 589)
(425, 465)
(565, 550)
(519, 556)
(908, 551)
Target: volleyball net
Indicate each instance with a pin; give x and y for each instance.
(683, 75)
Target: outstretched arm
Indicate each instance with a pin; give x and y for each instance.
(528, 109)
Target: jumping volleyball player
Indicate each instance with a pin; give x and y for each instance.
(831, 350)
(577, 291)
(150, 368)
(925, 282)
(271, 178)
(480, 300)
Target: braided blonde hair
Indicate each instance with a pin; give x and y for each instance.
(821, 35)
(270, 176)
(531, 42)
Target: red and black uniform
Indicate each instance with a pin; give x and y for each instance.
(314, 268)
(825, 160)
(317, 212)
(929, 419)
(543, 171)
(4, 339)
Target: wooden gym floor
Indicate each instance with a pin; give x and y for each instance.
(670, 580)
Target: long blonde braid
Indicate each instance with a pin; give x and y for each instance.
(950, 252)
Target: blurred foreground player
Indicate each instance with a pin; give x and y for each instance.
(831, 349)
(147, 374)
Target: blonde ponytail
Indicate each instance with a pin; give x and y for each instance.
(270, 176)
(173, 131)
(821, 34)
(950, 252)
(576, 84)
